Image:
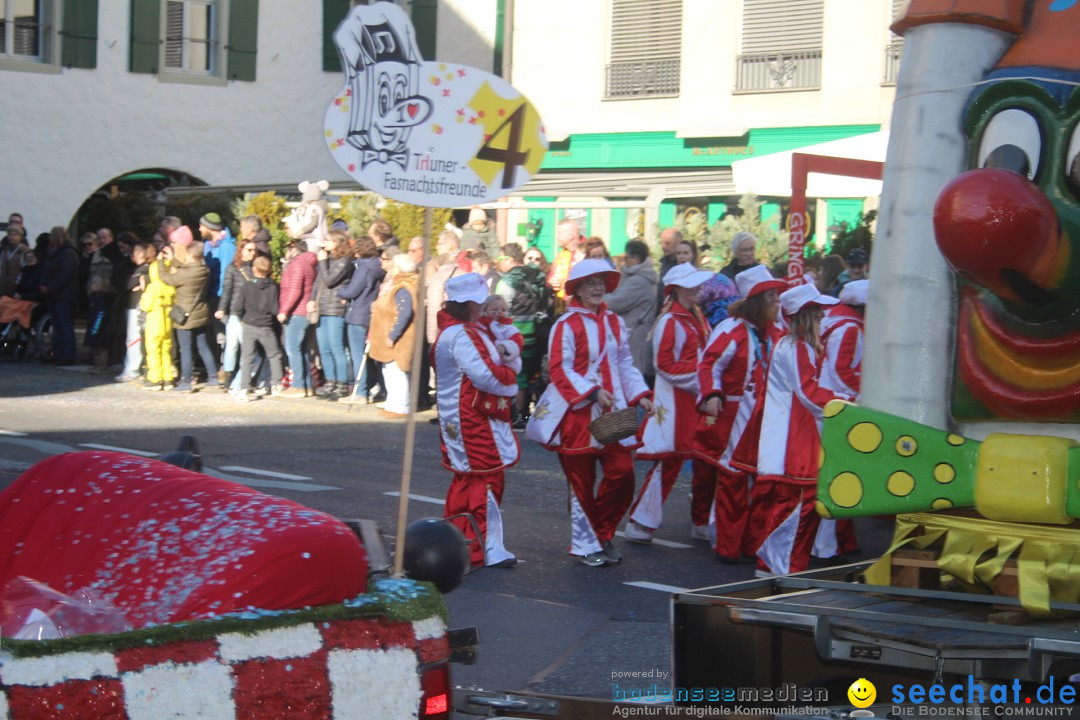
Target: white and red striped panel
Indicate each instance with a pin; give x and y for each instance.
(337, 669)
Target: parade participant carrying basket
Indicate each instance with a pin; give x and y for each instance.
(592, 374)
(668, 438)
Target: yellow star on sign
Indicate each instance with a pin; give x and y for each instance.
(661, 413)
(505, 120)
(542, 410)
(451, 430)
(710, 420)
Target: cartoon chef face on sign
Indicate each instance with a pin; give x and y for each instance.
(382, 64)
(425, 132)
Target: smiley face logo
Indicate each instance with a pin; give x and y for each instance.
(862, 693)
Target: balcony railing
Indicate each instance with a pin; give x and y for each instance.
(778, 71)
(892, 62)
(648, 78)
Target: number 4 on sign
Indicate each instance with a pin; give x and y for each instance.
(511, 156)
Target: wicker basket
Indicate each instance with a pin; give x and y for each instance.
(614, 426)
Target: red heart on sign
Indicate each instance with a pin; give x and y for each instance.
(413, 108)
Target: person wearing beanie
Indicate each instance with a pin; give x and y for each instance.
(592, 374)
(743, 254)
(219, 251)
(474, 388)
(393, 332)
(841, 371)
(731, 381)
(479, 233)
(668, 438)
(790, 443)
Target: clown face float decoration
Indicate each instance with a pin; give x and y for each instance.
(428, 133)
(1010, 227)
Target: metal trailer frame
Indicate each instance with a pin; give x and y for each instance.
(821, 629)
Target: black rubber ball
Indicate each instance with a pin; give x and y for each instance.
(435, 552)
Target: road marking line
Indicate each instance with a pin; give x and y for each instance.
(418, 498)
(655, 586)
(12, 433)
(129, 451)
(279, 484)
(658, 541)
(267, 473)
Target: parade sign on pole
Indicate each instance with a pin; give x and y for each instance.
(428, 133)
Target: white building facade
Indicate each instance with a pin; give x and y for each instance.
(643, 100)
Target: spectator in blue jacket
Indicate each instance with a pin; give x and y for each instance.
(360, 292)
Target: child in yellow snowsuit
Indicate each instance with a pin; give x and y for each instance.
(156, 302)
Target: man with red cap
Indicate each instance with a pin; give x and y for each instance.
(592, 373)
(677, 341)
(790, 444)
(474, 390)
(731, 376)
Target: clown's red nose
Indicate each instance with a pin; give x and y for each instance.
(997, 228)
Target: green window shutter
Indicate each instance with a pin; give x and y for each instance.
(424, 17)
(80, 34)
(500, 45)
(334, 11)
(243, 39)
(145, 35)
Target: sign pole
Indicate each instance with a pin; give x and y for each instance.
(419, 315)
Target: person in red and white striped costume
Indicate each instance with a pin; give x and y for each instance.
(731, 376)
(592, 373)
(475, 389)
(790, 444)
(677, 341)
(841, 371)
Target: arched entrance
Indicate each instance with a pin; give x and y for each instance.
(134, 201)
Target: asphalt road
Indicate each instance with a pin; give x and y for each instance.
(549, 625)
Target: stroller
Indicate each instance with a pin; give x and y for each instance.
(25, 329)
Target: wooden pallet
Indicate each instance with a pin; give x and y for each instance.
(914, 568)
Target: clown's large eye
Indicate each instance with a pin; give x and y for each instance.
(1072, 162)
(1012, 141)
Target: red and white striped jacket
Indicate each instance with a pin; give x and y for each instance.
(733, 367)
(474, 393)
(586, 352)
(678, 339)
(842, 338)
(790, 443)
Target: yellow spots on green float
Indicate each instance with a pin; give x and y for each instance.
(834, 408)
(846, 489)
(900, 484)
(944, 473)
(955, 439)
(821, 457)
(941, 504)
(864, 437)
(822, 510)
(906, 446)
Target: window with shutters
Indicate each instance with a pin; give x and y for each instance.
(781, 45)
(192, 32)
(646, 49)
(197, 41)
(28, 38)
(894, 48)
